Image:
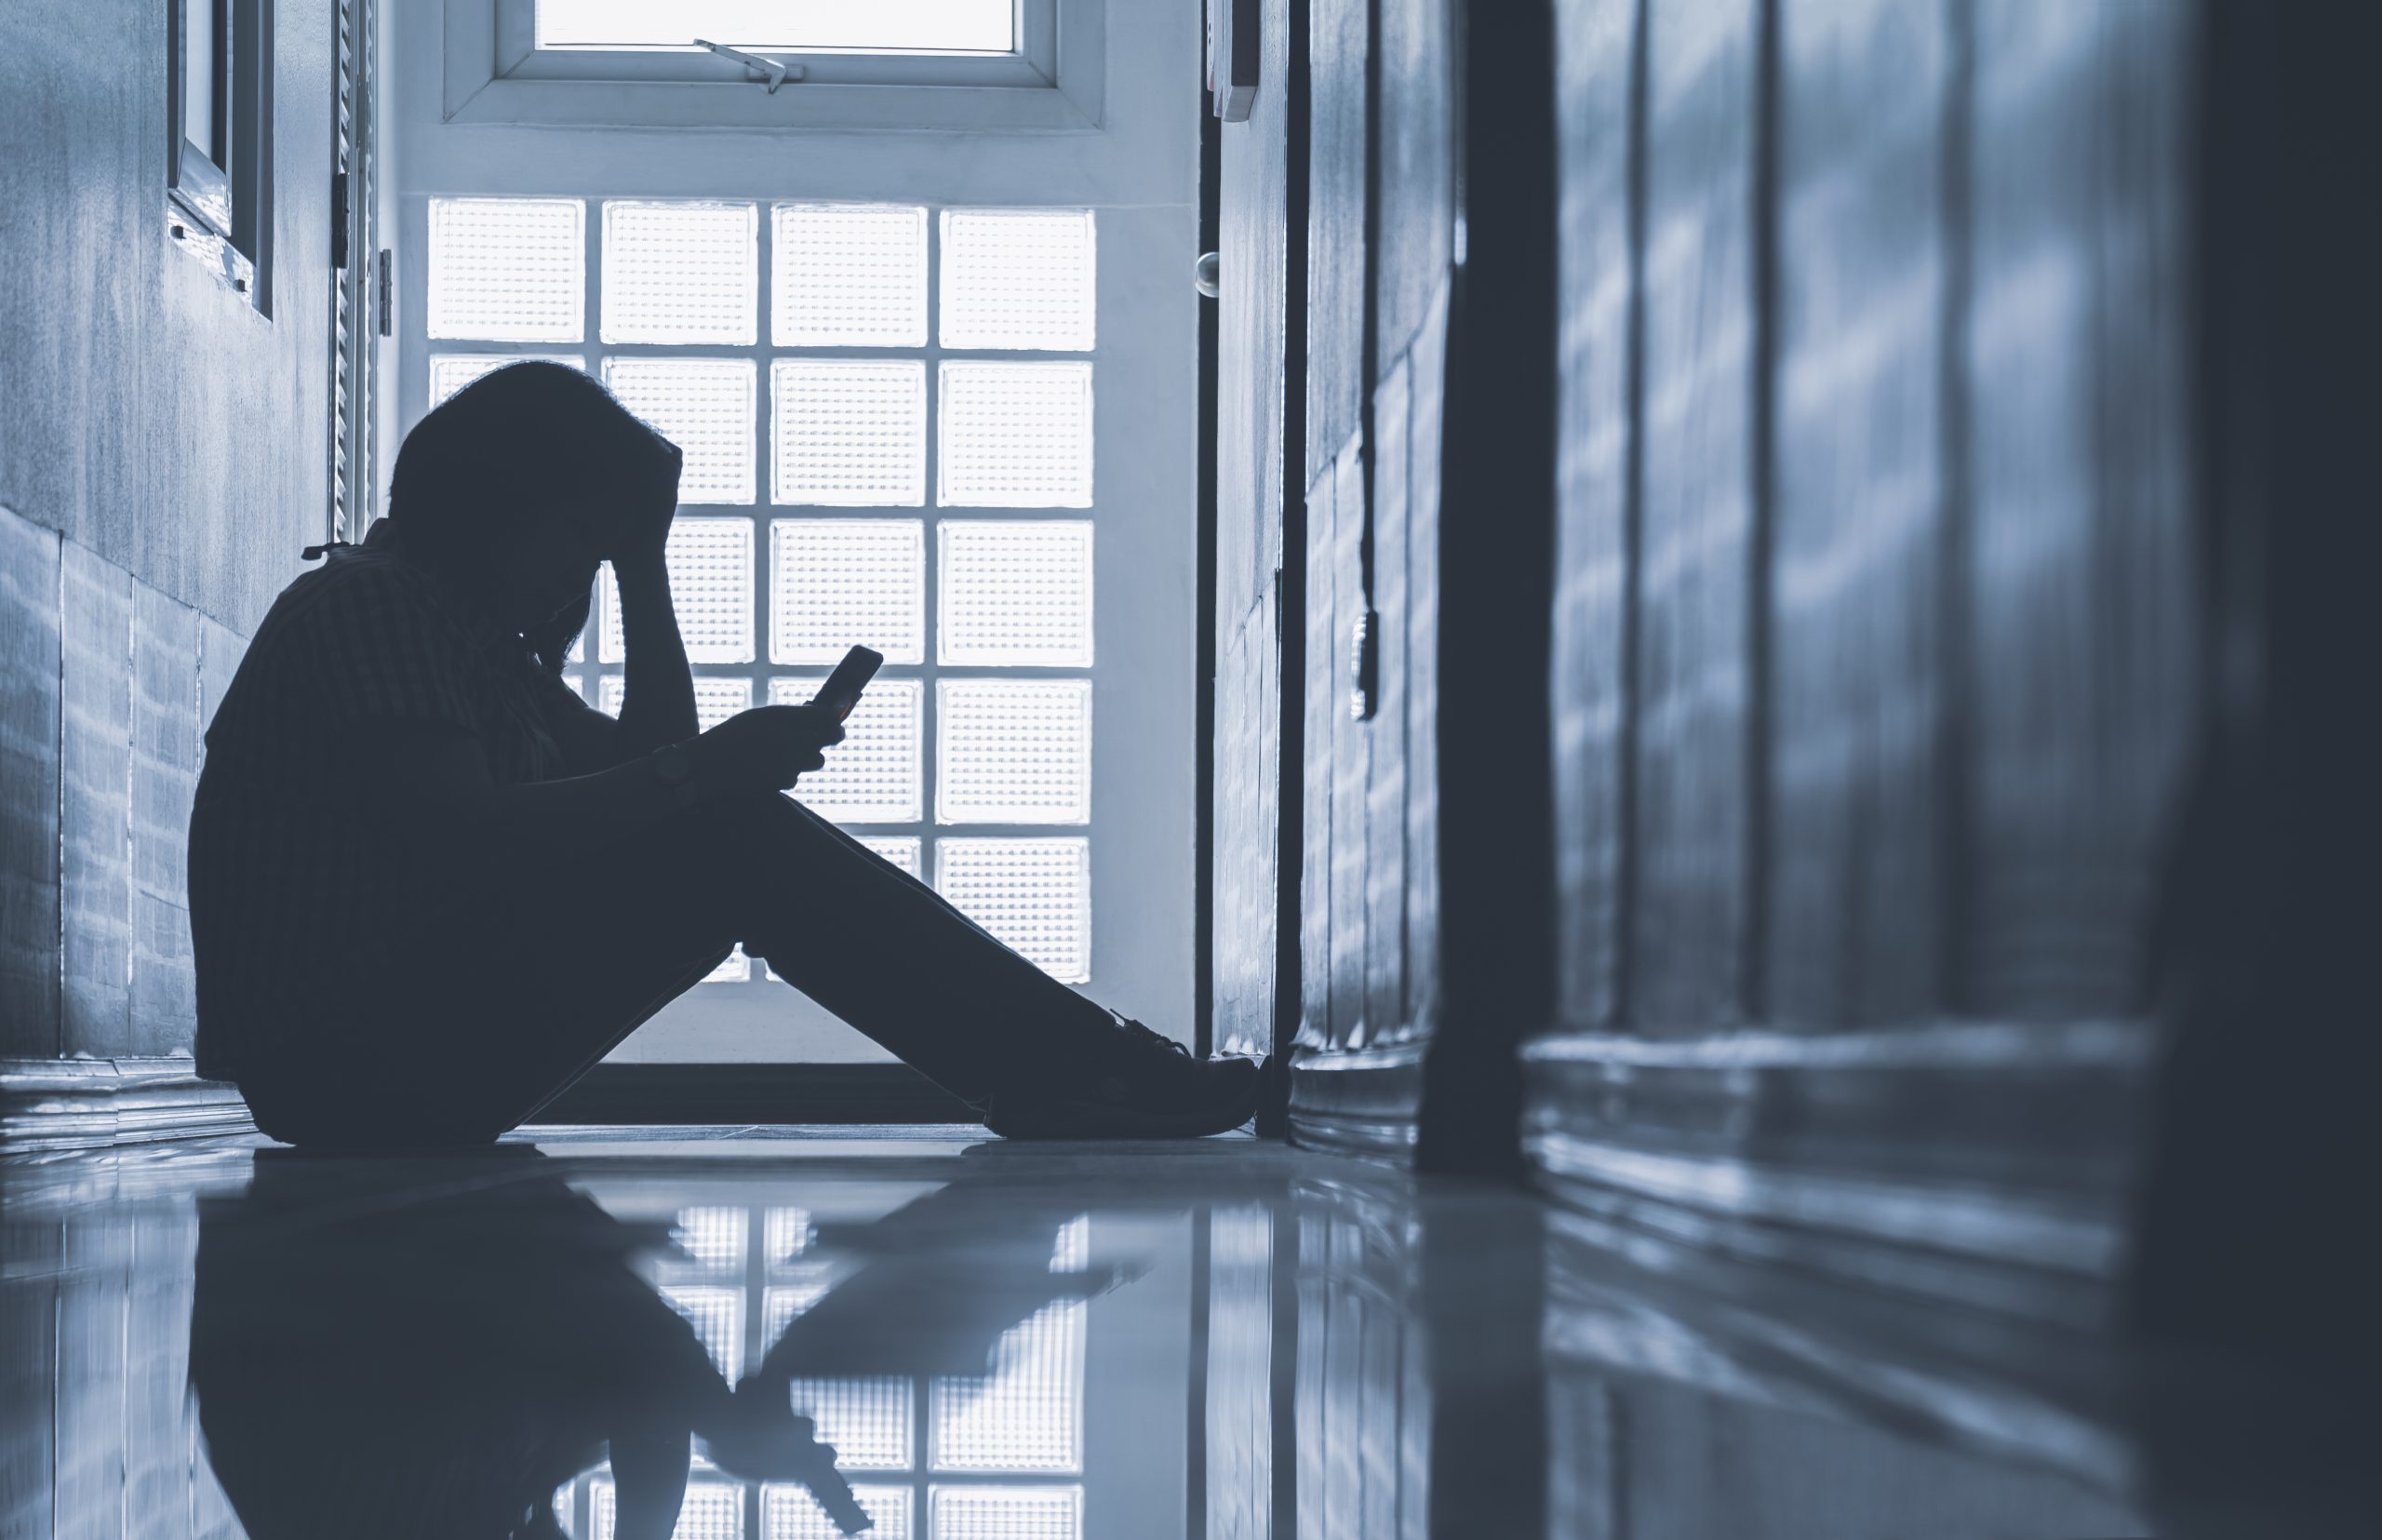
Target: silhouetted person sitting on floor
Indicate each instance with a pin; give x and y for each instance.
(430, 886)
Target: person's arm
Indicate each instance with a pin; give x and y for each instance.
(658, 705)
(658, 701)
(442, 773)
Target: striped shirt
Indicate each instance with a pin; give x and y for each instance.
(304, 895)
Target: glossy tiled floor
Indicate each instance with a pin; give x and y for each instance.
(611, 1334)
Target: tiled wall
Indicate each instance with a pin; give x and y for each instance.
(105, 689)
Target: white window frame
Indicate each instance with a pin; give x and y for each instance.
(1053, 82)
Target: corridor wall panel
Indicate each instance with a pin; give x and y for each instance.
(1689, 927)
(29, 748)
(2075, 648)
(1859, 490)
(1254, 392)
(161, 436)
(1875, 665)
(1337, 302)
(1598, 55)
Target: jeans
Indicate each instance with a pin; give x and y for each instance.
(509, 995)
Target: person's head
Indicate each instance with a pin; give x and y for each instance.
(519, 484)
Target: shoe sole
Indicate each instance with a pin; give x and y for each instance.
(1079, 1120)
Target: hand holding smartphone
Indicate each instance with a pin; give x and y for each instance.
(841, 691)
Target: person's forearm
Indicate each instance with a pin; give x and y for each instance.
(658, 705)
(621, 800)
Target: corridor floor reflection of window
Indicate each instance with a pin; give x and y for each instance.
(967, 1457)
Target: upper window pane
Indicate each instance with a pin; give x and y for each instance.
(682, 273)
(849, 431)
(1018, 278)
(966, 26)
(836, 584)
(711, 589)
(507, 270)
(848, 275)
(704, 405)
(1016, 435)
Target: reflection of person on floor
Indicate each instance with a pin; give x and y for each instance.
(410, 830)
(443, 1367)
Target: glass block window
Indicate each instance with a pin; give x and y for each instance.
(509, 270)
(1014, 592)
(704, 405)
(848, 431)
(1014, 751)
(716, 1312)
(1015, 436)
(715, 699)
(874, 775)
(1007, 1441)
(451, 371)
(902, 850)
(839, 584)
(848, 275)
(711, 592)
(680, 273)
(1008, 1513)
(867, 1420)
(886, 412)
(790, 1513)
(1018, 278)
(1034, 895)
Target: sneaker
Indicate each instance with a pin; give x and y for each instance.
(1143, 1086)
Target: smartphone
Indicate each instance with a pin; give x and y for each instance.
(841, 691)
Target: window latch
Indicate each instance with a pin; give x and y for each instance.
(759, 68)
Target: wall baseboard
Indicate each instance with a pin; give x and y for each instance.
(1362, 1102)
(55, 1106)
(1988, 1164)
(755, 1093)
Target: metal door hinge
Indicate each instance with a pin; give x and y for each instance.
(1364, 666)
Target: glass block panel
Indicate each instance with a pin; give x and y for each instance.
(1013, 751)
(1006, 1513)
(791, 1513)
(1016, 435)
(1018, 278)
(783, 1301)
(787, 1233)
(836, 584)
(712, 1236)
(451, 371)
(867, 1420)
(848, 275)
(901, 850)
(507, 270)
(575, 684)
(1027, 1415)
(736, 968)
(873, 775)
(682, 273)
(1034, 895)
(711, 591)
(1071, 1252)
(1014, 594)
(848, 432)
(713, 1510)
(716, 1312)
(715, 699)
(704, 405)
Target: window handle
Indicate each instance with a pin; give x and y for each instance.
(759, 68)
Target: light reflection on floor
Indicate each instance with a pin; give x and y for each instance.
(767, 1336)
